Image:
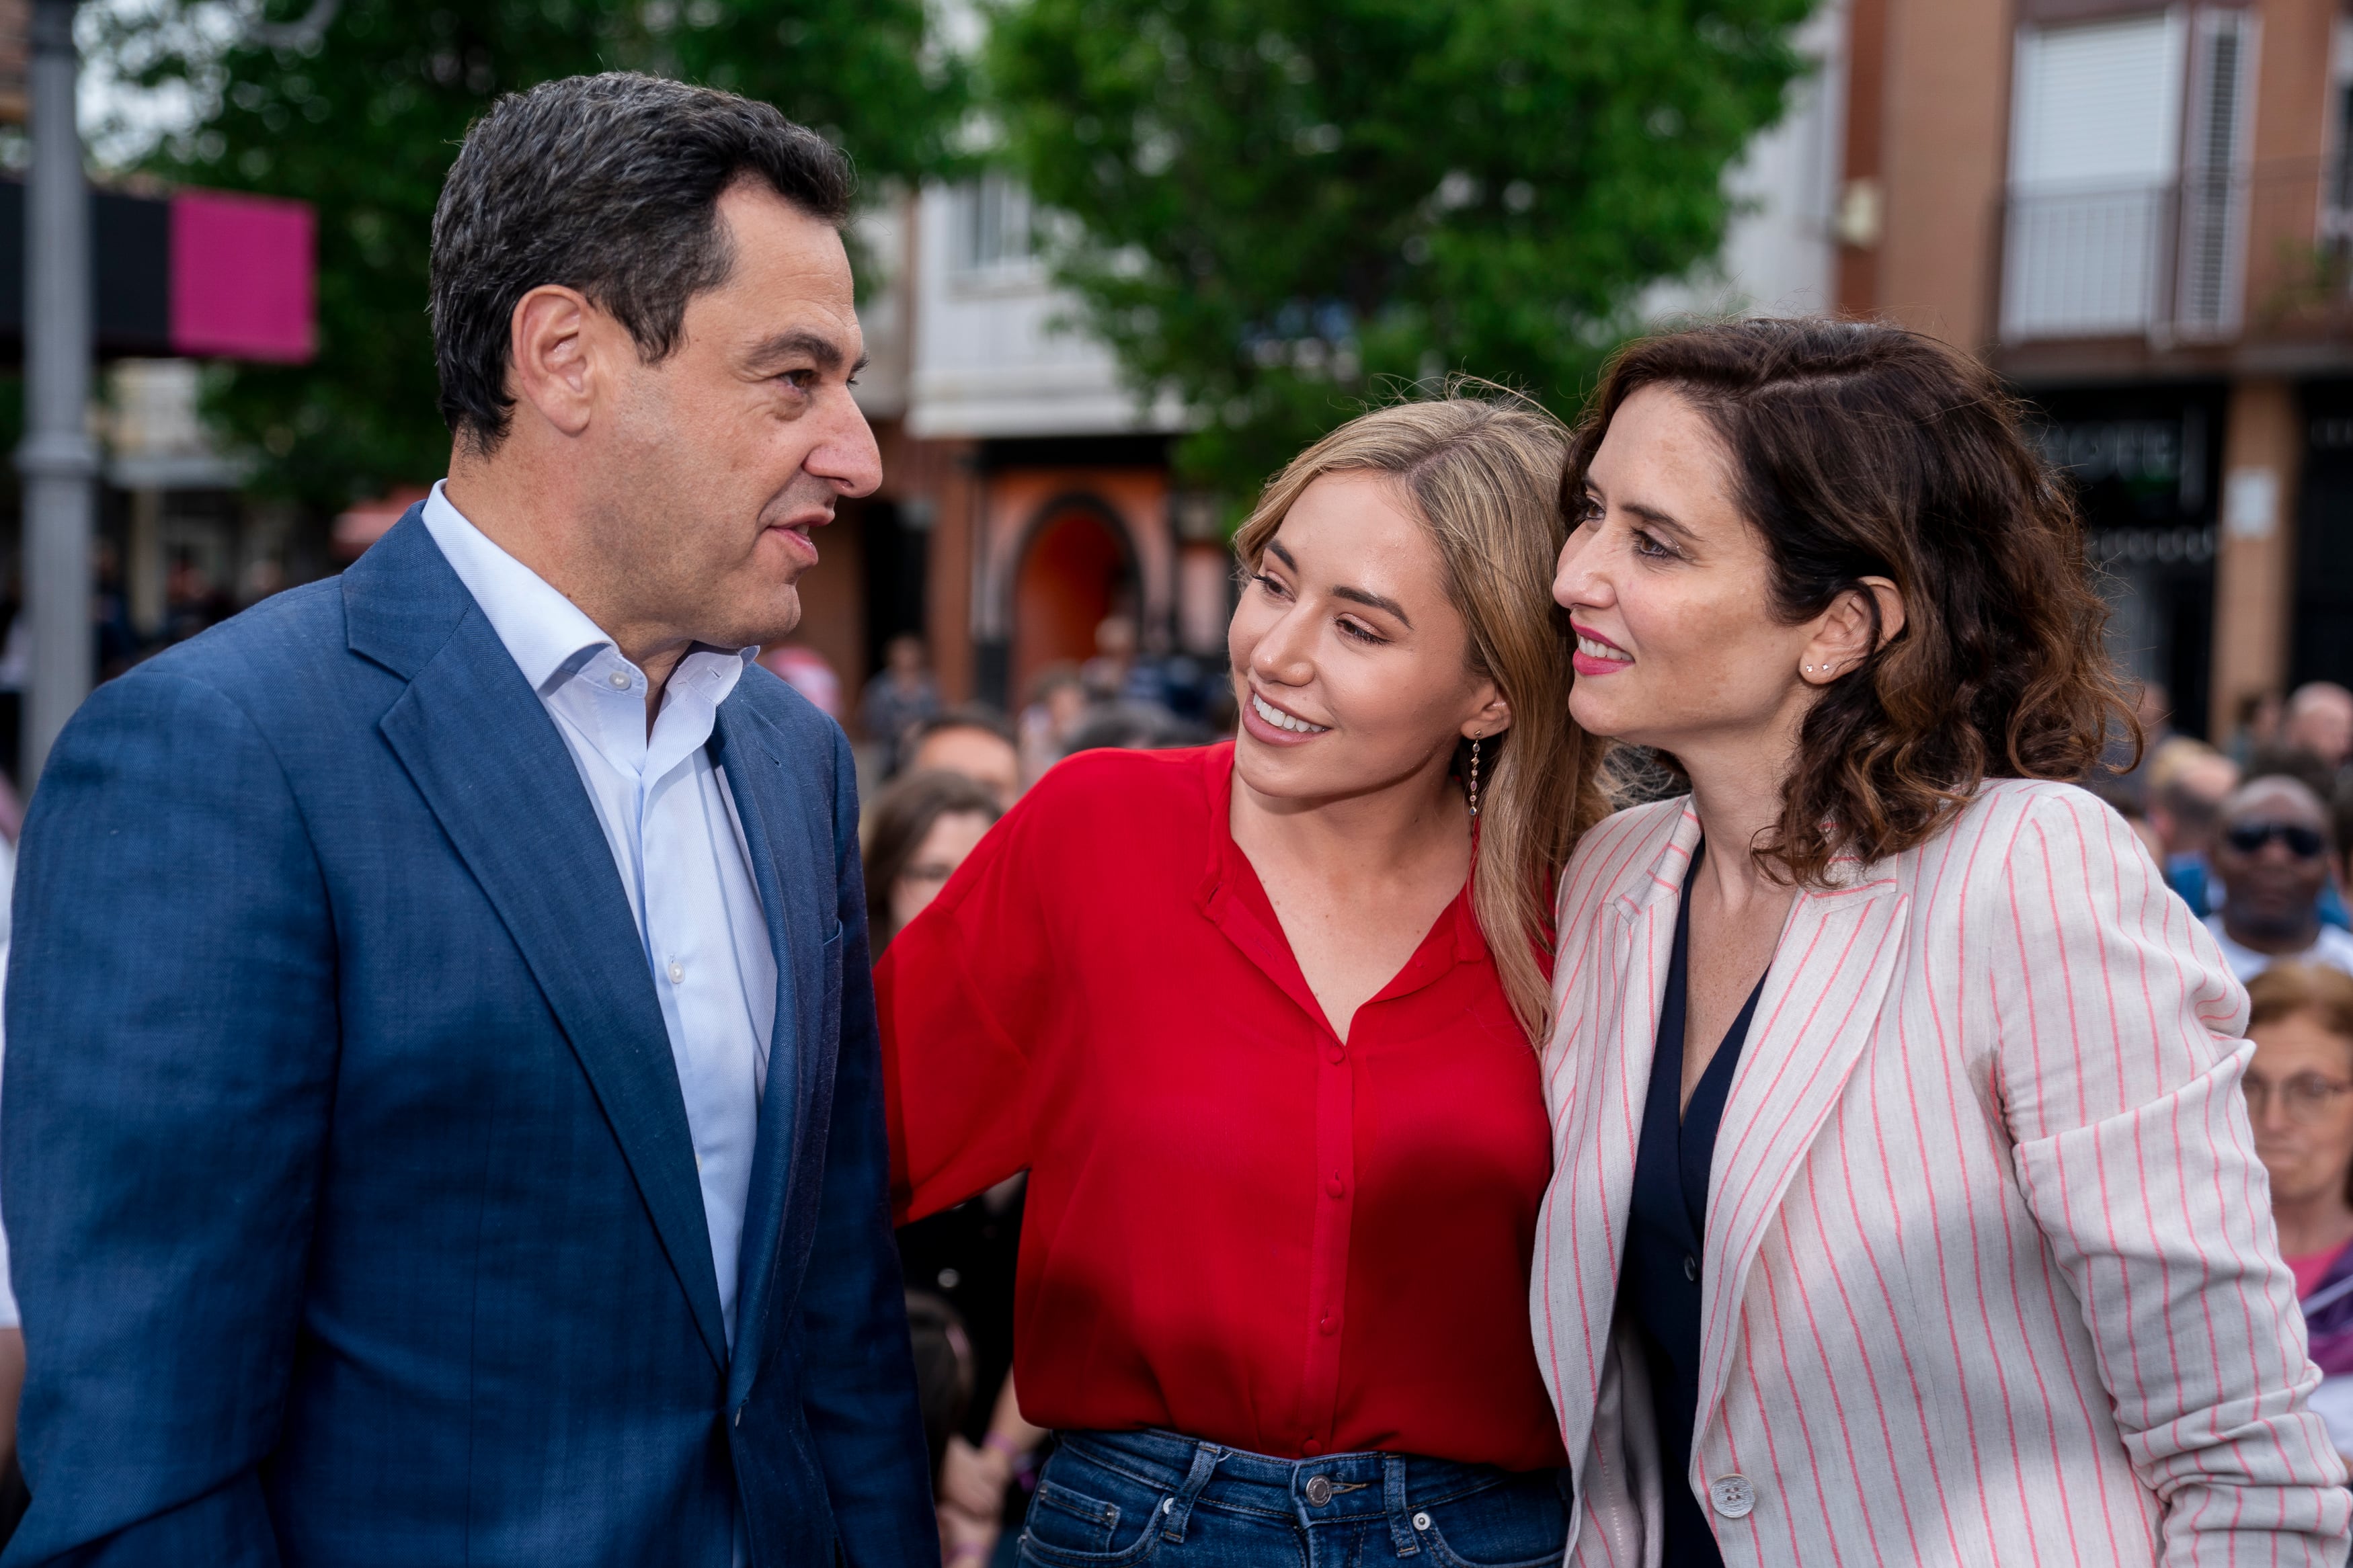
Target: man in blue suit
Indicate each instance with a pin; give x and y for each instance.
(443, 1119)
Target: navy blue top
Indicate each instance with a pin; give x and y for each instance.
(1660, 1285)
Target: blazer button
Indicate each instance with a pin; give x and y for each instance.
(1691, 1268)
(1733, 1495)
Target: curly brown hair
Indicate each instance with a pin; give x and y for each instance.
(1860, 449)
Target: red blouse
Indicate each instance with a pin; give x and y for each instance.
(1239, 1227)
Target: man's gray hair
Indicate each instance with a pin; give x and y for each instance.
(608, 184)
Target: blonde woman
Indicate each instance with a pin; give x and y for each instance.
(1258, 1020)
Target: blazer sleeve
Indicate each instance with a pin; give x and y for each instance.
(2120, 1066)
(172, 1027)
(964, 993)
(858, 1371)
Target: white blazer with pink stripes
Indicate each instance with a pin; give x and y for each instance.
(1989, 1269)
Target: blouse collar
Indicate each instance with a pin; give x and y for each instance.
(1231, 898)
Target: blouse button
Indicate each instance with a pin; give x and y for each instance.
(1339, 1055)
(1329, 1326)
(1311, 1447)
(1334, 1185)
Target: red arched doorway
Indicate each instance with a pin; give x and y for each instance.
(1073, 574)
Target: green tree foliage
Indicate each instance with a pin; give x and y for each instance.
(364, 119)
(1272, 206)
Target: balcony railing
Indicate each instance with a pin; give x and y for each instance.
(2182, 261)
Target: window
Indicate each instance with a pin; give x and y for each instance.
(2095, 142)
(2337, 185)
(992, 233)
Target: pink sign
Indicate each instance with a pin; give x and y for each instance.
(242, 273)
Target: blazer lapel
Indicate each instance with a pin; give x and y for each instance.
(487, 758)
(1819, 1009)
(1600, 1127)
(786, 875)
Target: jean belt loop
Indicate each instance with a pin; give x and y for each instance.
(1178, 1509)
(1393, 1504)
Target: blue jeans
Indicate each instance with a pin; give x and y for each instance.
(1110, 1499)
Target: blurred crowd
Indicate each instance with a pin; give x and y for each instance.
(2256, 837)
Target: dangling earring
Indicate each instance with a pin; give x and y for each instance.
(1474, 774)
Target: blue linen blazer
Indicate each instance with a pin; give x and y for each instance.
(354, 1213)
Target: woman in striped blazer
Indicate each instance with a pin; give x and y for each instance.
(1904, 1208)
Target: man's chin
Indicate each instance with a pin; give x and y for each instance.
(778, 620)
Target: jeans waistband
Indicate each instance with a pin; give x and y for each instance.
(1330, 1488)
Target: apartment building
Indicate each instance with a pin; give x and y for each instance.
(2140, 215)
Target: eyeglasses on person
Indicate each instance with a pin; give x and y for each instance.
(2304, 1099)
(2249, 838)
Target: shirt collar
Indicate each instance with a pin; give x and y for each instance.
(549, 637)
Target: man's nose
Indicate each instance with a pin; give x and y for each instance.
(848, 455)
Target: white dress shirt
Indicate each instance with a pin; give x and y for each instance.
(2332, 947)
(676, 841)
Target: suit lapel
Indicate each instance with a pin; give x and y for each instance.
(1820, 1010)
(786, 875)
(487, 758)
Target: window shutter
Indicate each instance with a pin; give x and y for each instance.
(2212, 266)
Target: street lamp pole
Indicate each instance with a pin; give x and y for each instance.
(57, 460)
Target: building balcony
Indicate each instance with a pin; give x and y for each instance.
(2190, 274)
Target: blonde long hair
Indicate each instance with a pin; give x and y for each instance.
(1484, 475)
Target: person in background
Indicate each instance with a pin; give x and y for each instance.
(1134, 727)
(2320, 720)
(901, 697)
(2255, 727)
(2341, 822)
(918, 831)
(973, 740)
(2187, 782)
(922, 827)
(2299, 1090)
(2127, 763)
(2273, 859)
(807, 671)
(1106, 675)
(1058, 703)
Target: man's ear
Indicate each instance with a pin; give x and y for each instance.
(551, 357)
